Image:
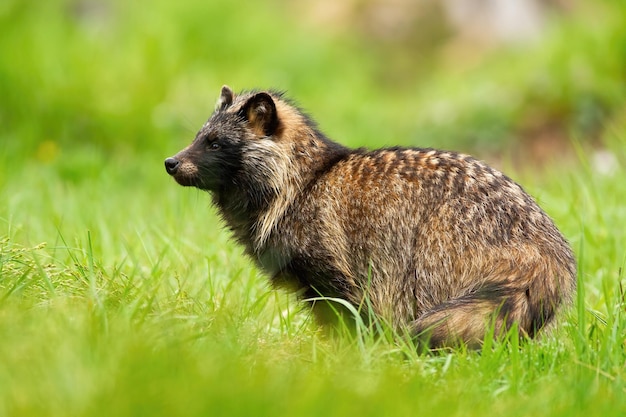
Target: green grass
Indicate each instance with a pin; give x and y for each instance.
(139, 305)
(120, 294)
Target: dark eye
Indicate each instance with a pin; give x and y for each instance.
(214, 145)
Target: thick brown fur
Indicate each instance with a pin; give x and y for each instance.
(439, 242)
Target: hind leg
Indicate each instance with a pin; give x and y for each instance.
(466, 319)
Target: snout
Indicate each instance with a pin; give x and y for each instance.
(172, 165)
(184, 171)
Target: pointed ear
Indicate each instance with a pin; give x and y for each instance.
(260, 111)
(226, 98)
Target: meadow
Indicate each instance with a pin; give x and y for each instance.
(121, 294)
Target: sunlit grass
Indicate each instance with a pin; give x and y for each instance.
(122, 300)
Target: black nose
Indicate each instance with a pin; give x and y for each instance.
(171, 165)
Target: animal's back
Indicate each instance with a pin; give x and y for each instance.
(437, 240)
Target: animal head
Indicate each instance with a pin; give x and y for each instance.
(242, 127)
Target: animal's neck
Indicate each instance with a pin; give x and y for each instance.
(271, 179)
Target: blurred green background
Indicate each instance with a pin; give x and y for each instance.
(120, 294)
(85, 81)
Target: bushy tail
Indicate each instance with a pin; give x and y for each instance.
(467, 318)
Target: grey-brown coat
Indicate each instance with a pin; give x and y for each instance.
(439, 242)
